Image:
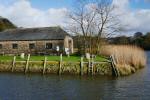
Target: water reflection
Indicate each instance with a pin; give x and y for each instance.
(53, 87)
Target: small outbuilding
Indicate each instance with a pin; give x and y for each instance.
(45, 40)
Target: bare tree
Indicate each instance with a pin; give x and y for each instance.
(93, 20)
(82, 18)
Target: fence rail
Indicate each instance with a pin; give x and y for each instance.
(89, 63)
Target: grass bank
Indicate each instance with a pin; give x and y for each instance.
(128, 58)
(50, 58)
(69, 65)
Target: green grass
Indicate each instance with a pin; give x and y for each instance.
(50, 58)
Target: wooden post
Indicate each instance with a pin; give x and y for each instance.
(81, 66)
(13, 64)
(27, 63)
(89, 66)
(3, 53)
(60, 64)
(44, 67)
(92, 65)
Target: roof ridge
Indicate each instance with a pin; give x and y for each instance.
(42, 33)
(32, 28)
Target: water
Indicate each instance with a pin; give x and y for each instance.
(53, 87)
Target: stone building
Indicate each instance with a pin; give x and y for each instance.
(35, 41)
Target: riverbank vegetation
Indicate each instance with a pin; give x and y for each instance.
(128, 58)
(53, 65)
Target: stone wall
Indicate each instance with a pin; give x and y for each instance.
(23, 46)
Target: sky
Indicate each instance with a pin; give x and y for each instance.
(44, 13)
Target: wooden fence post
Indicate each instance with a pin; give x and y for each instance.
(60, 64)
(27, 63)
(44, 67)
(89, 66)
(81, 66)
(13, 64)
(92, 65)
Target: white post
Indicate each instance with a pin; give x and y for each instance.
(27, 64)
(60, 64)
(81, 66)
(44, 67)
(13, 65)
(60, 57)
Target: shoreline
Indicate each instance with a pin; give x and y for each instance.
(56, 67)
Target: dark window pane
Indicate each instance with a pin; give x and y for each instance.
(15, 46)
(49, 45)
(1, 46)
(70, 41)
(31, 46)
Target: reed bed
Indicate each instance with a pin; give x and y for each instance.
(128, 58)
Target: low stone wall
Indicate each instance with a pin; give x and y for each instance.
(54, 67)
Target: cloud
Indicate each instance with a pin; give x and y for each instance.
(21, 13)
(133, 20)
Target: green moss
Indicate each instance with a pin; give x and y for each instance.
(103, 69)
(72, 68)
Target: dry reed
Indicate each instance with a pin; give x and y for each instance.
(128, 58)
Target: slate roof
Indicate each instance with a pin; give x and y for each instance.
(44, 33)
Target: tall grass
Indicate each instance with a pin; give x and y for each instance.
(128, 58)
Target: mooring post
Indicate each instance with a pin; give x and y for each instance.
(13, 64)
(44, 67)
(27, 63)
(81, 66)
(92, 65)
(89, 66)
(3, 53)
(60, 64)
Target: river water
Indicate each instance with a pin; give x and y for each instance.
(53, 87)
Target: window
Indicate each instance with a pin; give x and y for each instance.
(15, 46)
(69, 41)
(1, 46)
(49, 45)
(31, 46)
